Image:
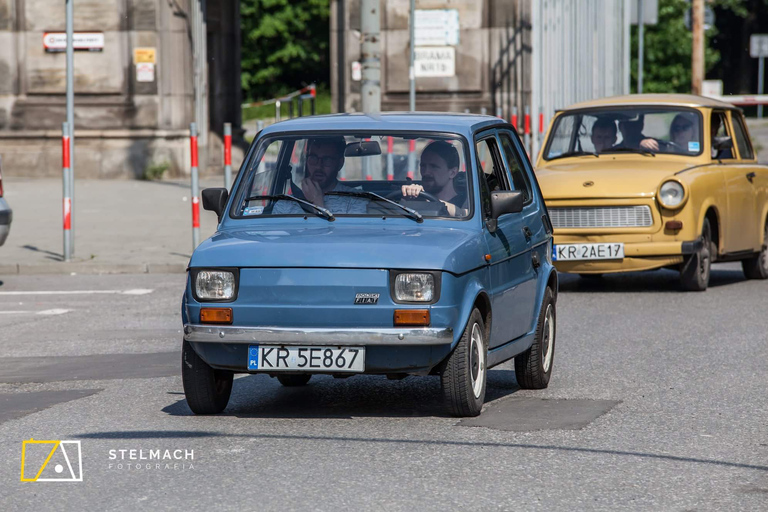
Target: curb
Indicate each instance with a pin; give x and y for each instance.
(92, 268)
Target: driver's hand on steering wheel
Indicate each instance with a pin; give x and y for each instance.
(650, 145)
(412, 190)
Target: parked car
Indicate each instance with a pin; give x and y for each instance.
(648, 181)
(447, 272)
(6, 214)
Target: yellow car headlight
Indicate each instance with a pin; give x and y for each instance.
(671, 194)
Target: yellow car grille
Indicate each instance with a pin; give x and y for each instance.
(601, 217)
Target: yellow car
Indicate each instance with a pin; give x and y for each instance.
(648, 181)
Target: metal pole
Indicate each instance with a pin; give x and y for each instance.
(277, 111)
(697, 53)
(227, 155)
(412, 58)
(71, 112)
(760, 80)
(640, 44)
(67, 190)
(195, 187)
(371, 56)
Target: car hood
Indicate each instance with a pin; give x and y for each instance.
(339, 245)
(609, 178)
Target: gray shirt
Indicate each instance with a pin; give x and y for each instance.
(336, 204)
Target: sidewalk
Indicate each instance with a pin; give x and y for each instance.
(121, 226)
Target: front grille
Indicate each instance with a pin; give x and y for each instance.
(601, 217)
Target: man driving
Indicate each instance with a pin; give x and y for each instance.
(439, 165)
(631, 132)
(603, 134)
(325, 158)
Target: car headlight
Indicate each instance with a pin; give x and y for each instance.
(671, 194)
(414, 287)
(216, 285)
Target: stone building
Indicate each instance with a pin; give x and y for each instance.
(134, 87)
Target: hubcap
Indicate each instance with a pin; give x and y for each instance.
(477, 360)
(548, 338)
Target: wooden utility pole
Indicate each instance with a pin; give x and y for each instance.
(697, 55)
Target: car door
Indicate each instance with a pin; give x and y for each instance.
(739, 222)
(511, 269)
(754, 174)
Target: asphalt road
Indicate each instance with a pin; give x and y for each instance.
(657, 402)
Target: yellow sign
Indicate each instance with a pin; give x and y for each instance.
(69, 452)
(144, 56)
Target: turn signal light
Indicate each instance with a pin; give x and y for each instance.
(216, 315)
(674, 224)
(412, 317)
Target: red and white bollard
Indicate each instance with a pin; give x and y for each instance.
(513, 118)
(411, 158)
(527, 128)
(195, 187)
(227, 155)
(390, 159)
(66, 174)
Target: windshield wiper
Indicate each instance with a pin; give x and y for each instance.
(575, 153)
(409, 212)
(630, 150)
(322, 212)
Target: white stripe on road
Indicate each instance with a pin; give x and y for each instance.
(46, 312)
(137, 291)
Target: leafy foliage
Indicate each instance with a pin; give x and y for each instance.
(284, 45)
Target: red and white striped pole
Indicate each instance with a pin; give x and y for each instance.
(66, 176)
(227, 155)
(411, 158)
(527, 128)
(195, 187)
(513, 118)
(390, 159)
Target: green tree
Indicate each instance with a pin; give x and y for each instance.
(667, 51)
(284, 46)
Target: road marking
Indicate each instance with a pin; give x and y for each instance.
(46, 312)
(136, 291)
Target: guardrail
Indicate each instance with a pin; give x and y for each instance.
(308, 93)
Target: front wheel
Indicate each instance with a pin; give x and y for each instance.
(757, 266)
(207, 390)
(694, 275)
(464, 373)
(533, 368)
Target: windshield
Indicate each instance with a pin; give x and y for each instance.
(402, 175)
(647, 130)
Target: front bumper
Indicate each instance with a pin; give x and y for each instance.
(318, 336)
(637, 256)
(6, 216)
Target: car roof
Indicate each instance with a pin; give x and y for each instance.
(681, 100)
(389, 121)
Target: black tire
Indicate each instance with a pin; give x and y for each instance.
(207, 390)
(533, 368)
(464, 373)
(694, 274)
(294, 379)
(757, 266)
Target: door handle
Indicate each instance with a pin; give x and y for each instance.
(751, 176)
(527, 232)
(535, 260)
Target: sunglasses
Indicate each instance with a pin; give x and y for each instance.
(681, 127)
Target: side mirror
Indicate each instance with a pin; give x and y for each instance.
(215, 199)
(506, 202)
(722, 143)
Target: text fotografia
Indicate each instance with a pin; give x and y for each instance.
(152, 459)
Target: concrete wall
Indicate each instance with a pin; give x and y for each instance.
(121, 125)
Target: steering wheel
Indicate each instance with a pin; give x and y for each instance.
(670, 144)
(423, 196)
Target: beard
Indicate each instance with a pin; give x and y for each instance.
(321, 177)
(430, 185)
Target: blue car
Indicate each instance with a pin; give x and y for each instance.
(396, 244)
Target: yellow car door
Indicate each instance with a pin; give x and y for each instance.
(739, 225)
(755, 174)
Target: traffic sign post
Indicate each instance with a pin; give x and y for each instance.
(758, 49)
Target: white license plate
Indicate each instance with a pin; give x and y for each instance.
(306, 359)
(571, 252)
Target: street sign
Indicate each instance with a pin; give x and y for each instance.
(709, 18)
(144, 55)
(435, 61)
(436, 27)
(758, 45)
(650, 12)
(712, 88)
(145, 72)
(82, 41)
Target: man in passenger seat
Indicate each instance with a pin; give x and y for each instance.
(439, 165)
